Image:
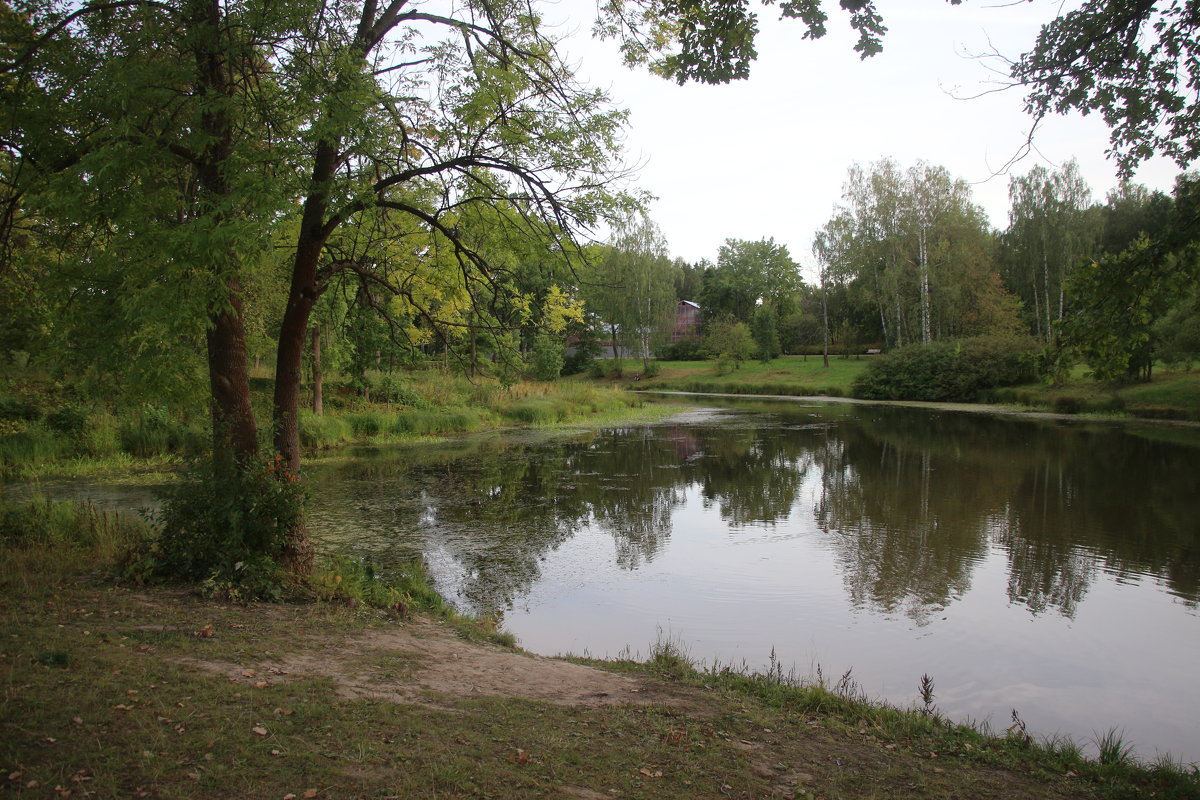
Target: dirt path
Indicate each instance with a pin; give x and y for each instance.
(423, 659)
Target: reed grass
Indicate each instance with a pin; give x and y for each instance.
(43, 541)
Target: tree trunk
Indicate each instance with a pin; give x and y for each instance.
(318, 378)
(825, 322)
(235, 434)
(304, 292)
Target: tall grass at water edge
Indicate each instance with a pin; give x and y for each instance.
(43, 541)
(1113, 767)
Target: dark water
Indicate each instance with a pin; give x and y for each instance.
(1048, 567)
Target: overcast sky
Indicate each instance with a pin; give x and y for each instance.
(767, 157)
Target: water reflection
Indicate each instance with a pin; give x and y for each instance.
(909, 501)
(1050, 567)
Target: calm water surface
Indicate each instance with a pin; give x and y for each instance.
(1048, 567)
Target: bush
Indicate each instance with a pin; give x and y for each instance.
(391, 388)
(956, 371)
(546, 358)
(230, 530)
(686, 350)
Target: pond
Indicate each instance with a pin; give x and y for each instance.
(1044, 566)
(1048, 567)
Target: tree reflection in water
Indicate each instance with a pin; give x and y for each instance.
(909, 500)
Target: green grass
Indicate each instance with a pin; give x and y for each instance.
(1171, 395)
(787, 375)
(116, 692)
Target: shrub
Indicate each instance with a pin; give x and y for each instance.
(957, 371)
(391, 388)
(229, 530)
(546, 358)
(686, 350)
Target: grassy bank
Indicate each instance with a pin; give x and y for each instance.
(788, 375)
(44, 432)
(1171, 395)
(111, 691)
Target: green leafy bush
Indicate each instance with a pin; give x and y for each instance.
(546, 358)
(230, 530)
(956, 371)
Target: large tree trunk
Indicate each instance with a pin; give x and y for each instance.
(303, 295)
(235, 435)
(318, 378)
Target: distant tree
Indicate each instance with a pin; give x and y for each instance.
(730, 342)
(1050, 229)
(632, 286)
(913, 252)
(1116, 301)
(746, 274)
(765, 330)
(688, 278)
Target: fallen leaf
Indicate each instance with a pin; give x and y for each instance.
(276, 752)
(261, 731)
(12, 776)
(289, 796)
(261, 685)
(286, 712)
(204, 633)
(655, 774)
(310, 794)
(248, 673)
(521, 756)
(77, 720)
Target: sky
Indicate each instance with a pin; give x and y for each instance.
(767, 157)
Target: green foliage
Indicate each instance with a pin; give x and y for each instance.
(730, 342)
(955, 371)
(341, 578)
(546, 357)
(320, 432)
(229, 530)
(1178, 332)
(1133, 63)
(153, 430)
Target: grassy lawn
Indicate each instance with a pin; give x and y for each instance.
(1170, 395)
(789, 375)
